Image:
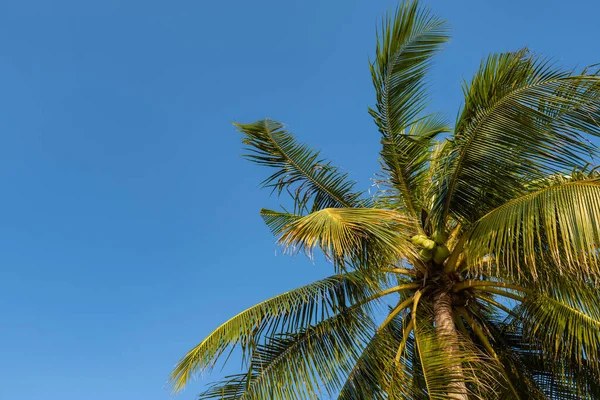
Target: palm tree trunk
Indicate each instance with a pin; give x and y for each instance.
(446, 332)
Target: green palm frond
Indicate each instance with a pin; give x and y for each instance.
(288, 312)
(403, 56)
(310, 361)
(561, 221)
(476, 369)
(405, 158)
(373, 375)
(370, 374)
(547, 376)
(346, 233)
(407, 42)
(566, 323)
(522, 377)
(311, 181)
(522, 119)
(367, 377)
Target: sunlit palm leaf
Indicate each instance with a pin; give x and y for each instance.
(478, 371)
(346, 233)
(301, 365)
(310, 180)
(523, 119)
(403, 55)
(287, 312)
(561, 221)
(405, 159)
(374, 376)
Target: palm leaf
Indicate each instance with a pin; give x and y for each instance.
(312, 181)
(375, 375)
(560, 222)
(301, 365)
(405, 159)
(479, 372)
(288, 312)
(565, 323)
(405, 47)
(547, 375)
(523, 119)
(346, 233)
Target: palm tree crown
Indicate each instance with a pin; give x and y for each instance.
(482, 242)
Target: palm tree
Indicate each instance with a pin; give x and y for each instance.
(481, 243)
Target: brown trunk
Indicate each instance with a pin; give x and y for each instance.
(446, 331)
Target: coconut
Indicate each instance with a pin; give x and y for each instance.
(425, 254)
(439, 237)
(440, 254)
(428, 244)
(418, 240)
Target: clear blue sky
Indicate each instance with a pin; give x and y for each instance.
(129, 225)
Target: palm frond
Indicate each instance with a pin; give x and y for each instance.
(521, 376)
(523, 119)
(374, 376)
(288, 312)
(346, 233)
(303, 364)
(312, 182)
(405, 158)
(545, 375)
(405, 46)
(560, 222)
(476, 369)
(565, 323)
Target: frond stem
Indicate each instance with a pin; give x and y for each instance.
(416, 299)
(474, 283)
(497, 305)
(394, 289)
(405, 334)
(401, 271)
(402, 306)
(503, 293)
(452, 260)
(484, 340)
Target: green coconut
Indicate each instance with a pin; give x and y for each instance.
(425, 254)
(428, 244)
(439, 237)
(418, 240)
(440, 254)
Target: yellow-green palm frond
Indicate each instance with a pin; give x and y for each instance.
(405, 158)
(288, 312)
(441, 368)
(303, 364)
(522, 119)
(565, 322)
(346, 233)
(405, 47)
(312, 182)
(374, 376)
(559, 223)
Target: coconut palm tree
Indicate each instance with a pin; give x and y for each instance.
(472, 273)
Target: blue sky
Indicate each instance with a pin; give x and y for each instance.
(129, 225)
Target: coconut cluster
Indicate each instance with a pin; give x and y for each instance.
(432, 248)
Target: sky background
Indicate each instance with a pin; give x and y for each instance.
(129, 225)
